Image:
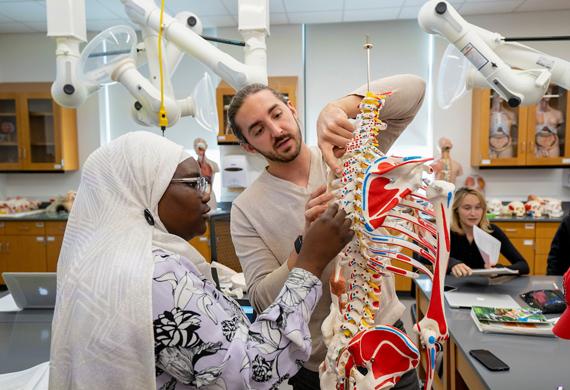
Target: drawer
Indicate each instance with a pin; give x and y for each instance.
(25, 228)
(543, 245)
(540, 261)
(546, 229)
(55, 228)
(518, 229)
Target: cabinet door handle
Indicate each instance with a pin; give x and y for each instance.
(50, 238)
(40, 239)
(512, 230)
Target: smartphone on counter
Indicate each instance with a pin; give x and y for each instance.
(489, 360)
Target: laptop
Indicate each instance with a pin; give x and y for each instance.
(458, 299)
(32, 290)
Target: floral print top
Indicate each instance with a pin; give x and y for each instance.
(202, 339)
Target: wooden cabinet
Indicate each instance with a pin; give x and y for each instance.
(36, 134)
(2, 252)
(525, 246)
(287, 85)
(536, 135)
(544, 235)
(403, 283)
(30, 246)
(53, 247)
(25, 253)
(532, 240)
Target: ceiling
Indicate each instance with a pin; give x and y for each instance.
(22, 16)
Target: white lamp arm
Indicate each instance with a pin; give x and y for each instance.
(494, 58)
(237, 74)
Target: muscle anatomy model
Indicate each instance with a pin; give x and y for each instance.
(383, 195)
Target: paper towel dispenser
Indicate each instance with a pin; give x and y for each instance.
(234, 171)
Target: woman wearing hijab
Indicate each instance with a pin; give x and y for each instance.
(136, 308)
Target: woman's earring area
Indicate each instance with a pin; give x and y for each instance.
(148, 217)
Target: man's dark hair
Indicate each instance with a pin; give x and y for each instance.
(237, 102)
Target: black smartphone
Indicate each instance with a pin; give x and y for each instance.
(489, 360)
(449, 288)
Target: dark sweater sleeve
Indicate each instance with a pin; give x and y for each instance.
(510, 252)
(559, 255)
(452, 263)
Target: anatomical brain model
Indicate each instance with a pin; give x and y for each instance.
(391, 207)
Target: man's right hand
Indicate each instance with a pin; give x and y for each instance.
(334, 131)
(326, 237)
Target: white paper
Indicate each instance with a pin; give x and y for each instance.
(489, 246)
(7, 303)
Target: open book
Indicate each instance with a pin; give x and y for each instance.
(523, 321)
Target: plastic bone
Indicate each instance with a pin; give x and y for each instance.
(391, 208)
(516, 208)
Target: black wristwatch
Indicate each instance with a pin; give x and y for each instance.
(298, 243)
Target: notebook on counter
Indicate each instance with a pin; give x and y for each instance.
(32, 290)
(458, 299)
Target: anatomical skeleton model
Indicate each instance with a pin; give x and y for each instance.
(549, 121)
(445, 167)
(383, 196)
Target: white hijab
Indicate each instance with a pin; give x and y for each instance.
(102, 334)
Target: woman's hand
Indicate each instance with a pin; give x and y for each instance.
(460, 270)
(316, 205)
(326, 237)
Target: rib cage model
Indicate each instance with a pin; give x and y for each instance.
(382, 195)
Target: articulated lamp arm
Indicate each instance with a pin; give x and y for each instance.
(66, 23)
(494, 59)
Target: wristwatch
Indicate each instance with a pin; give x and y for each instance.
(298, 243)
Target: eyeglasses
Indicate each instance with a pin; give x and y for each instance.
(200, 184)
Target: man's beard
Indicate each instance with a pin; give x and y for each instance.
(276, 157)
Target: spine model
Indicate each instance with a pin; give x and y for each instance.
(392, 209)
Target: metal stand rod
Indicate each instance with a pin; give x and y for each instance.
(539, 39)
(368, 46)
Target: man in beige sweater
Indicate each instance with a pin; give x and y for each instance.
(269, 218)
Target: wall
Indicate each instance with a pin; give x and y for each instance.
(2, 186)
(336, 65)
(455, 122)
(31, 58)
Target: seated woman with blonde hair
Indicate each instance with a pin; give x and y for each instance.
(469, 210)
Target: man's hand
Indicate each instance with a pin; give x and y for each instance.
(460, 270)
(316, 205)
(334, 130)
